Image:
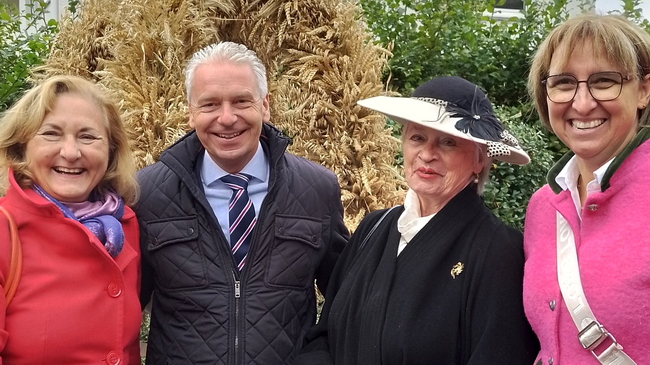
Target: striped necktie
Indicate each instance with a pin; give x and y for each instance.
(241, 216)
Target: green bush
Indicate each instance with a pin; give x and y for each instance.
(463, 37)
(25, 41)
(511, 186)
(460, 37)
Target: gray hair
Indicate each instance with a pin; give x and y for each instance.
(226, 52)
(484, 174)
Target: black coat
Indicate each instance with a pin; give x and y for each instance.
(408, 309)
(204, 311)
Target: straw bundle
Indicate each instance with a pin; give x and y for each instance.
(319, 58)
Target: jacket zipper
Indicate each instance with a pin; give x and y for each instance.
(237, 297)
(262, 213)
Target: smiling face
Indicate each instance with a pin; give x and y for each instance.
(69, 154)
(437, 166)
(227, 113)
(596, 131)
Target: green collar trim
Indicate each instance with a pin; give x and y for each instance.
(642, 136)
(555, 170)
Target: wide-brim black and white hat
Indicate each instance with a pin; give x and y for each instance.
(455, 106)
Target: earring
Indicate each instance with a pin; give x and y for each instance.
(476, 179)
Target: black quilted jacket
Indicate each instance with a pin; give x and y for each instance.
(204, 311)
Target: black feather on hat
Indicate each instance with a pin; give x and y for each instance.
(454, 106)
(464, 100)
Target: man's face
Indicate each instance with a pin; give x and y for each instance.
(227, 112)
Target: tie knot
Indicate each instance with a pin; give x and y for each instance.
(236, 181)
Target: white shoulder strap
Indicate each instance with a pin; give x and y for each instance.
(591, 334)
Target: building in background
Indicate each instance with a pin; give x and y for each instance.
(55, 9)
(510, 8)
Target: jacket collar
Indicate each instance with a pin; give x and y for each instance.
(186, 153)
(641, 136)
(274, 143)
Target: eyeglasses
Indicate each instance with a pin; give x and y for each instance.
(603, 86)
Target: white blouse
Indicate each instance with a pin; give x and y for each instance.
(410, 222)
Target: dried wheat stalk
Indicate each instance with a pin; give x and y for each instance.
(320, 60)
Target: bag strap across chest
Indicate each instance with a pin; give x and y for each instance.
(15, 260)
(591, 334)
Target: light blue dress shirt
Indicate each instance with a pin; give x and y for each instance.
(218, 194)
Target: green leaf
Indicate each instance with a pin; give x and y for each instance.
(23, 45)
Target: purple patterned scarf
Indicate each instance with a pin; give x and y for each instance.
(101, 216)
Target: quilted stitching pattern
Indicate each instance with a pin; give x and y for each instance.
(193, 312)
(185, 268)
(290, 266)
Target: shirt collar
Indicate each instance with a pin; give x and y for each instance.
(257, 167)
(410, 222)
(567, 179)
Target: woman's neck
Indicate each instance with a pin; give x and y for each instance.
(586, 174)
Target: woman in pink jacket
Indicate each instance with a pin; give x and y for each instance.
(587, 235)
(68, 176)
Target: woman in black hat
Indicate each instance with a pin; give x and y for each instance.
(437, 280)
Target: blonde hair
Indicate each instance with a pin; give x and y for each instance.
(20, 124)
(621, 42)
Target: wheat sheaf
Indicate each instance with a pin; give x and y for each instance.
(320, 60)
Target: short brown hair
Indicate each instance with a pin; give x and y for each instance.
(622, 42)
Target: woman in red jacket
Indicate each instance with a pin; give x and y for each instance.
(68, 178)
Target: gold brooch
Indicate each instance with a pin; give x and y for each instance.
(457, 269)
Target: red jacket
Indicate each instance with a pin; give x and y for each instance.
(75, 304)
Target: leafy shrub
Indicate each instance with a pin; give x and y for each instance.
(511, 186)
(464, 38)
(25, 41)
(460, 37)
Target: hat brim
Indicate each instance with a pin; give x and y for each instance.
(409, 110)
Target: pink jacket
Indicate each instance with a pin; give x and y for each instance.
(613, 244)
(75, 304)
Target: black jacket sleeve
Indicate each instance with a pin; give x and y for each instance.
(147, 283)
(337, 238)
(499, 332)
(316, 350)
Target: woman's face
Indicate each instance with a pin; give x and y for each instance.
(437, 165)
(596, 131)
(69, 154)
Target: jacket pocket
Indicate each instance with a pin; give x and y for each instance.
(296, 251)
(174, 251)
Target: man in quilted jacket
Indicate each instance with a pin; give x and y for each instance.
(234, 230)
